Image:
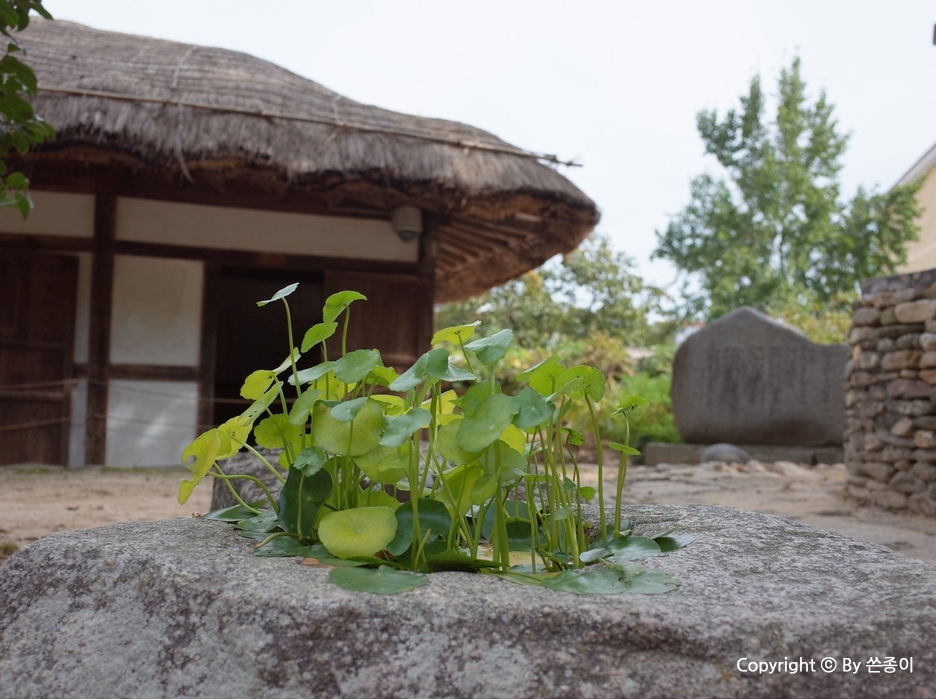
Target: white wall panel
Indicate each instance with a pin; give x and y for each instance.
(55, 213)
(156, 312)
(254, 230)
(79, 424)
(149, 423)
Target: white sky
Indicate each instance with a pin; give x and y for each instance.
(615, 85)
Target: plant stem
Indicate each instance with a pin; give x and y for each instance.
(621, 475)
(292, 358)
(266, 463)
(227, 481)
(344, 332)
(598, 452)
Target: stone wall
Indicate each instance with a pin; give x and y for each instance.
(890, 401)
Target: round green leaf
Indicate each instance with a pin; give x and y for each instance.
(288, 362)
(482, 429)
(382, 376)
(281, 294)
(545, 378)
(400, 429)
(352, 438)
(533, 409)
(412, 377)
(631, 402)
(205, 451)
(476, 395)
(310, 460)
(318, 333)
(312, 373)
(671, 543)
(434, 518)
(383, 581)
(257, 384)
(632, 547)
(456, 334)
(583, 380)
(286, 547)
(456, 495)
(276, 431)
(439, 366)
(355, 365)
(447, 444)
(377, 498)
(384, 464)
(491, 349)
(300, 499)
(623, 448)
(302, 407)
(336, 303)
(576, 438)
(524, 375)
(362, 531)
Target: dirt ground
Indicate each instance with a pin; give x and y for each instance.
(38, 500)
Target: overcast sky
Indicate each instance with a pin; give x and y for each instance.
(614, 85)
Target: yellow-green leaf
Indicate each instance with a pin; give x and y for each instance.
(352, 438)
(456, 333)
(204, 451)
(237, 429)
(361, 531)
(257, 384)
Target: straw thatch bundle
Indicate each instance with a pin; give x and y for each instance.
(192, 111)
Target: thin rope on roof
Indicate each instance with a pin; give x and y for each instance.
(475, 145)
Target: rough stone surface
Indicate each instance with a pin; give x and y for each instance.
(246, 464)
(746, 379)
(889, 499)
(181, 608)
(915, 311)
(878, 470)
(903, 427)
(928, 341)
(908, 389)
(894, 331)
(866, 316)
(899, 359)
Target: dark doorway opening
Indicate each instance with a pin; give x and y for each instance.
(37, 331)
(249, 337)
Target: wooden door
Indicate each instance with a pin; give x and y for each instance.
(396, 318)
(37, 331)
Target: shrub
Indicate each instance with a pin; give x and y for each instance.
(497, 488)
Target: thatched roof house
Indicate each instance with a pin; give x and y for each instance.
(199, 169)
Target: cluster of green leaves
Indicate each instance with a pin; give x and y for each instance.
(20, 127)
(592, 290)
(775, 232)
(649, 377)
(498, 488)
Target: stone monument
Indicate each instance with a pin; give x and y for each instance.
(748, 379)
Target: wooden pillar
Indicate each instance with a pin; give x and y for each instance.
(102, 283)
(428, 255)
(206, 362)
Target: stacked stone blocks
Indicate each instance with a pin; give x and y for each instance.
(890, 399)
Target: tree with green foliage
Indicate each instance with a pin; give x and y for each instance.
(20, 127)
(776, 232)
(592, 290)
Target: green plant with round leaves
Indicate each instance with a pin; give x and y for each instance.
(389, 486)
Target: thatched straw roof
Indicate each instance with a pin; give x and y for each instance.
(195, 111)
